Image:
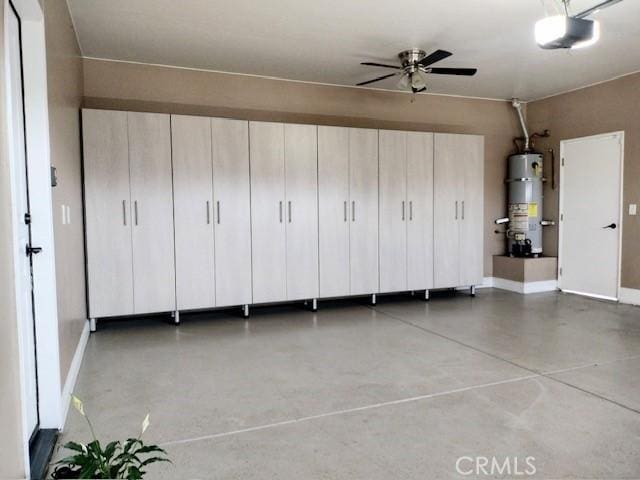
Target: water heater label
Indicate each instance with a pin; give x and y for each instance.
(519, 217)
(533, 209)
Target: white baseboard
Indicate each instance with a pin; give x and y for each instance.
(74, 368)
(525, 288)
(629, 295)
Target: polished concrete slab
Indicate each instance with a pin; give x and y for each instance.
(400, 390)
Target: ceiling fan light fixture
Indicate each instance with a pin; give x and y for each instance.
(560, 31)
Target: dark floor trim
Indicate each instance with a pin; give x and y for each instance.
(40, 451)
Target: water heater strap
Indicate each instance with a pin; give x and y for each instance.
(509, 180)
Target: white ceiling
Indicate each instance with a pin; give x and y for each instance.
(325, 40)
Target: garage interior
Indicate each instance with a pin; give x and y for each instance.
(322, 240)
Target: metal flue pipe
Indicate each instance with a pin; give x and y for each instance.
(518, 106)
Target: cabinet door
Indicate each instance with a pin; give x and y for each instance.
(301, 180)
(107, 211)
(154, 284)
(363, 188)
(192, 199)
(232, 211)
(333, 216)
(268, 211)
(472, 211)
(420, 210)
(448, 185)
(393, 211)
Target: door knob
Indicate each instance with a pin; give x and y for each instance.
(32, 250)
(612, 226)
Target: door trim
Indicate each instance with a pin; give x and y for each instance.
(620, 135)
(38, 163)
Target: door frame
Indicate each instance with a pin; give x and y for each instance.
(36, 119)
(620, 135)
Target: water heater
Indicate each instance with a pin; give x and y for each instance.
(525, 197)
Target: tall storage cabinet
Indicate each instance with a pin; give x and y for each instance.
(284, 211)
(108, 213)
(232, 210)
(130, 217)
(152, 198)
(348, 211)
(193, 199)
(406, 211)
(458, 210)
(187, 212)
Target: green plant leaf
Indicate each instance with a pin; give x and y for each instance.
(78, 447)
(153, 460)
(150, 448)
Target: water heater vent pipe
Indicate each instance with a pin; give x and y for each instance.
(518, 106)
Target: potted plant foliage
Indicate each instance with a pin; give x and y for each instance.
(116, 459)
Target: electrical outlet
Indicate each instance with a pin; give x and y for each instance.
(633, 209)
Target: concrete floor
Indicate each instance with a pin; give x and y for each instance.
(398, 391)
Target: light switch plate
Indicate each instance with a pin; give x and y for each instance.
(633, 209)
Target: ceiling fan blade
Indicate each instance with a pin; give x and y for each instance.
(434, 57)
(374, 64)
(453, 71)
(375, 79)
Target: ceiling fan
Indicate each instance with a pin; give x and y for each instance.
(415, 66)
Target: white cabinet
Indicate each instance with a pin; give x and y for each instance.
(268, 212)
(232, 211)
(193, 199)
(406, 210)
(129, 211)
(348, 206)
(420, 210)
(393, 211)
(152, 202)
(333, 210)
(186, 212)
(301, 189)
(284, 211)
(458, 210)
(107, 211)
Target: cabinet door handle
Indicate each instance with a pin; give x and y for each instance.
(208, 214)
(124, 212)
(463, 209)
(135, 210)
(353, 210)
(403, 210)
(345, 210)
(456, 209)
(218, 211)
(410, 210)
(280, 210)
(289, 211)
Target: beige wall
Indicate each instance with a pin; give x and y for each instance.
(64, 71)
(131, 86)
(11, 453)
(607, 107)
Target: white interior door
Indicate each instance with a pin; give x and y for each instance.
(448, 188)
(393, 210)
(107, 213)
(420, 210)
(20, 194)
(301, 179)
(363, 191)
(268, 247)
(590, 191)
(232, 211)
(154, 287)
(333, 216)
(193, 199)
